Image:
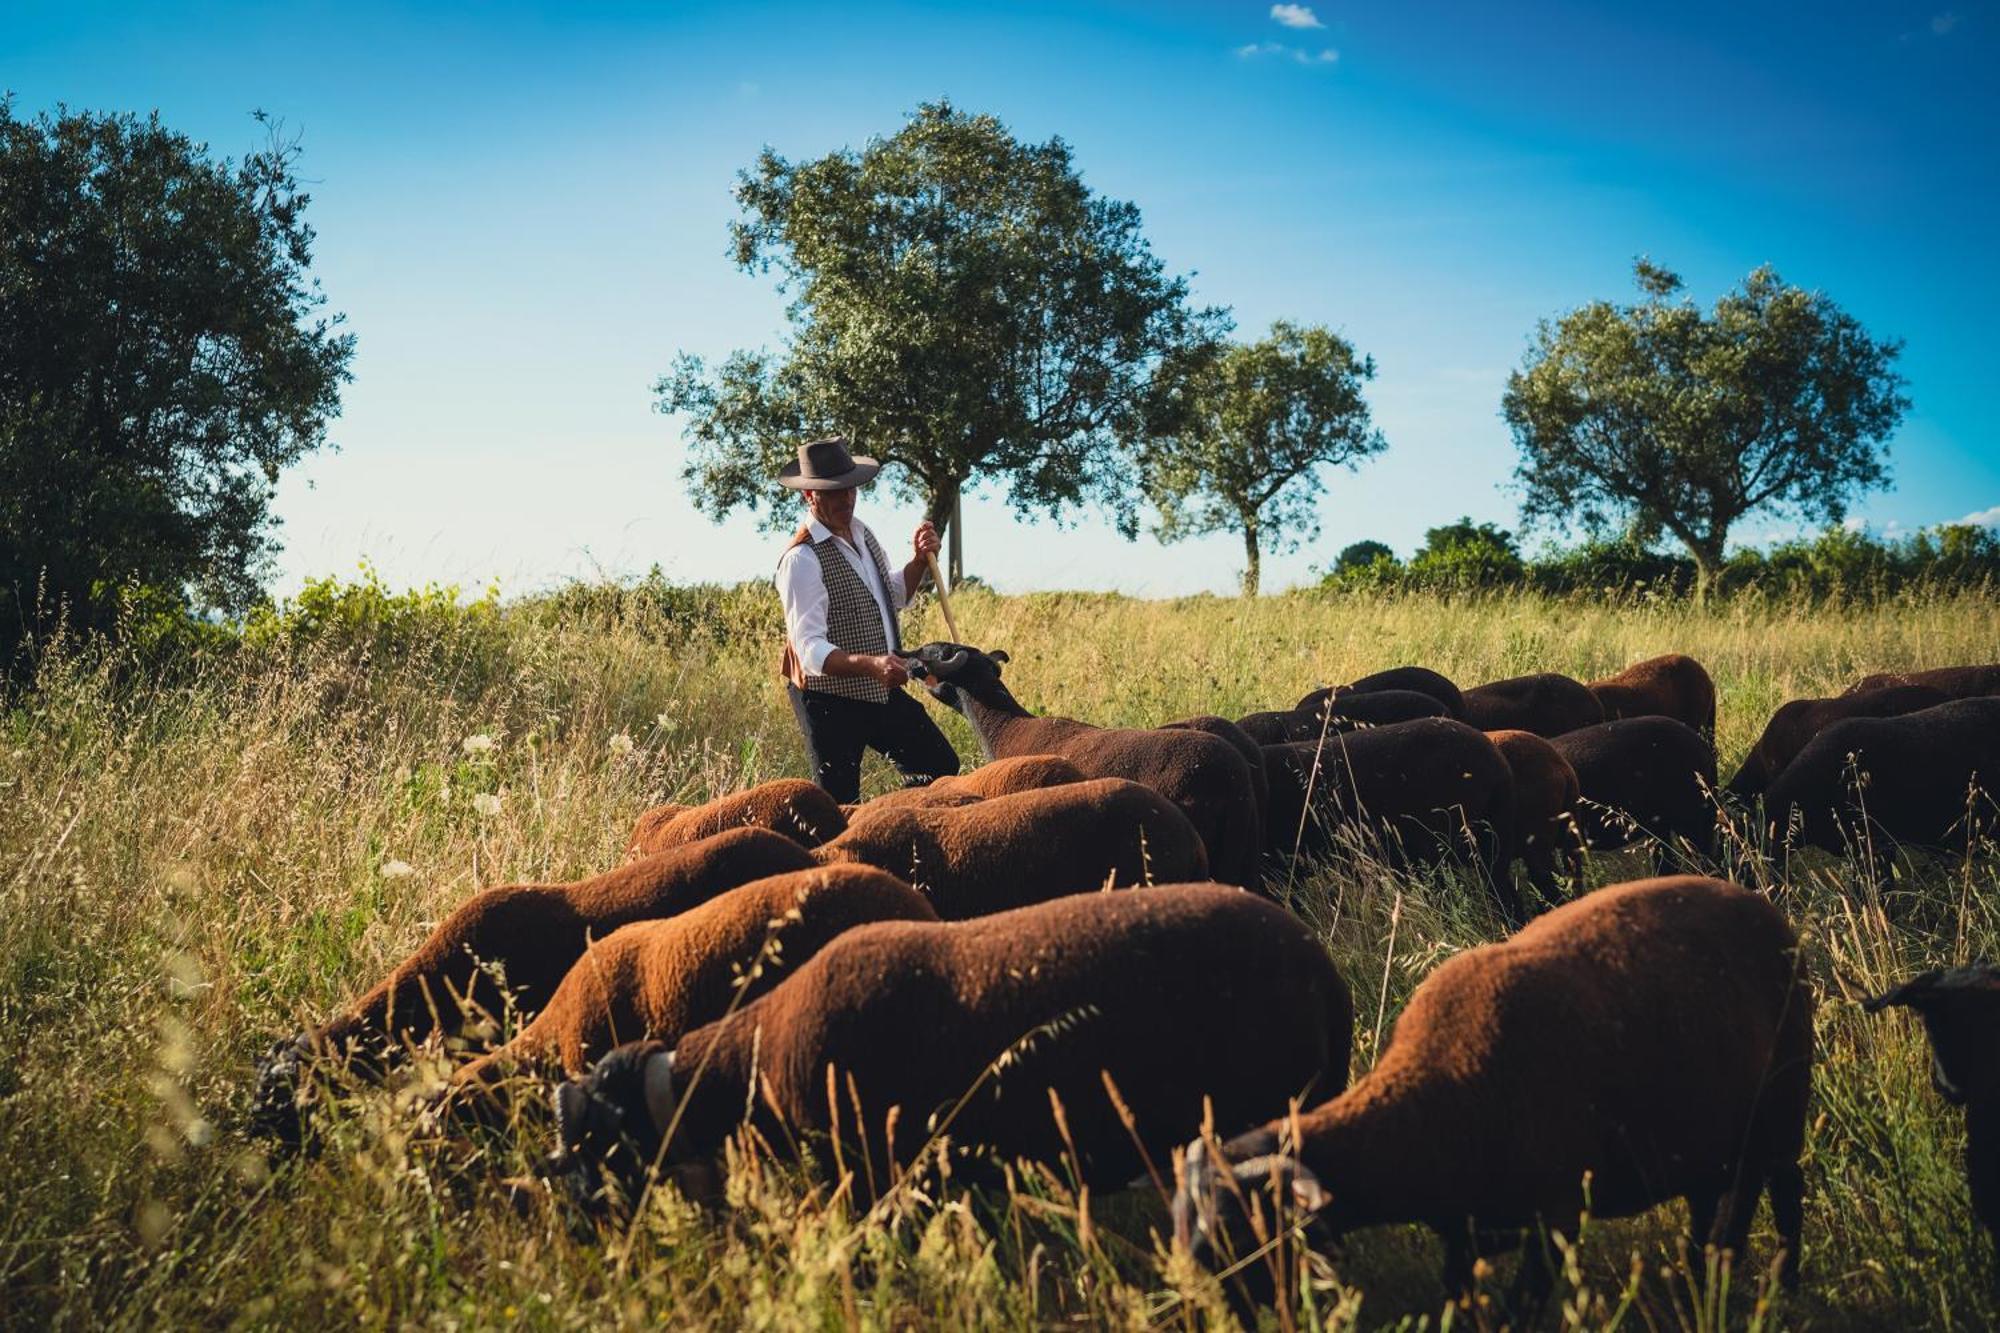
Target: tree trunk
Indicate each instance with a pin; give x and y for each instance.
(956, 555)
(1251, 555)
(944, 513)
(1707, 553)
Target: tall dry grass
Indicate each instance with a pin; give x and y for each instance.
(200, 855)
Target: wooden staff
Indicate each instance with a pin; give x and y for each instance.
(944, 598)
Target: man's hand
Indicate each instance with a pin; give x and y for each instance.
(926, 540)
(889, 670)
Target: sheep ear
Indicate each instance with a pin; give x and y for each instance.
(659, 1080)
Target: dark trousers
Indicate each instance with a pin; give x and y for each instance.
(837, 730)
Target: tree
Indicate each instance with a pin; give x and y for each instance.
(1244, 431)
(1361, 554)
(160, 364)
(1466, 555)
(1668, 421)
(962, 306)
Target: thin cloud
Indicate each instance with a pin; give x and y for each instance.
(1985, 518)
(1941, 24)
(1301, 16)
(1326, 55)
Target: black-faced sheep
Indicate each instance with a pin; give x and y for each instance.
(1546, 703)
(655, 980)
(1545, 799)
(1414, 679)
(1674, 685)
(1647, 1042)
(1643, 777)
(1929, 779)
(794, 807)
(1174, 997)
(1961, 1012)
(1798, 721)
(1955, 682)
(1002, 777)
(1204, 775)
(1436, 788)
(529, 934)
(1009, 851)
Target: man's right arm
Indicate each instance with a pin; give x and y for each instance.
(803, 594)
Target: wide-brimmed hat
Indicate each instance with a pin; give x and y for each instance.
(825, 465)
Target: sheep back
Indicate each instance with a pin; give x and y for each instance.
(1545, 798)
(1955, 682)
(1931, 777)
(1642, 777)
(1799, 720)
(1673, 685)
(794, 807)
(1251, 750)
(1415, 679)
(1546, 703)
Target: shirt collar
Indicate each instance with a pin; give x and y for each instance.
(820, 531)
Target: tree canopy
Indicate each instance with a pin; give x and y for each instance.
(1668, 421)
(1245, 432)
(962, 306)
(161, 361)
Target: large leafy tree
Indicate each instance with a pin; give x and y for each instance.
(1668, 421)
(1247, 433)
(162, 359)
(962, 307)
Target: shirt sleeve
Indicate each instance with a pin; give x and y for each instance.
(803, 593)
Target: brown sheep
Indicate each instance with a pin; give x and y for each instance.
(1204, 775)
(1545, 800)
(1374, 708)
(1279, 726)
(1252, 750)
(1674, 686)
(1957, 682)
(1640, 778)
(1647, 1042)
(1546, 703)
(1961, 1012)
(791, 806)
(1415, 679)
(1800, 720)
(531, 933)
(1002, 777)
(1009, 851)
(1179, 997)
(658, 979)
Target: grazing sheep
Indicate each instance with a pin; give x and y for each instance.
(1800, 720)
(658, 979)
(530, 933)
(1929, 779)
(1643, 777)
(1647, 1042)
(1009, 851)
(794, 807)
(1278, 726)
(1545, 799)
(1414, 679)
(1332, 714)
(1177, 997)
(1437, 789)
(1002, 777)
(1956, 682)
(1546, 703)
(1674, 686)
(1961, 1012)
(1204, 775)
(1252, 750)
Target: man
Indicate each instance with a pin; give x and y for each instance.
(842, 668)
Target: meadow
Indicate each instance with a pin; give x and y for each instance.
(206, 844)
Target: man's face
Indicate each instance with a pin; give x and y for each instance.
(833, 508)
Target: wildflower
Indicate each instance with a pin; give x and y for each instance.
(482, 743)
(397, 870)
(621, 744)
(486, 803)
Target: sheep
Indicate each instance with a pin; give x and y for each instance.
(1437, 787)
(657, 979)
(1002, 777)
(1960, 1008)
(1957, 682)
(1204, 775)
(1647, 1042)
(1545, 799)
(1930, 779)
(791, 806)
(1252, 750)
(1639, 778)
(1546, 703)
(1009, 851)
(1279, 726)
(1798, 721)
(1091, 1031)
(1674, 685)
(530, 933)
(1348, 712)
(1413, 679)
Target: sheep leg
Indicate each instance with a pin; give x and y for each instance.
(1731, 1230)
(1460, 1256)
(1787, 1190)
(1535, 1278)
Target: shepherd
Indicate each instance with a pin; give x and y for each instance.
(843, 666)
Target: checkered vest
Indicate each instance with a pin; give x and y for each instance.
(853, 619)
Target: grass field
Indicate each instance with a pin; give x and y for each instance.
(197, 860)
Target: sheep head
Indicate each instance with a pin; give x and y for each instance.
(1960, 1008)
(1226, 1210)
(610, 1122)
(951, 670)
(278, 1102)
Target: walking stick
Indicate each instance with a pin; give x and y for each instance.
(944, 598)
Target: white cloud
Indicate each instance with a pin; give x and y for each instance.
(1940, 23)
(1255, 49)
(1985, 518)
(1326, 55)
(1301, 16)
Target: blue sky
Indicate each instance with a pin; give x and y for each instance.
(522, 211)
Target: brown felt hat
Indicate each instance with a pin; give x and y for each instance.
(825, 465)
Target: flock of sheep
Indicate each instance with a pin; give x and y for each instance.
(936, 971)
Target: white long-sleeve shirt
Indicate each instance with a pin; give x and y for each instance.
(803, 593)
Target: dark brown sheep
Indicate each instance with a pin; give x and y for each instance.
(1648, 1042)
(1674, 686)
(1955, 682)
(1278, 726)
(656, 980)
(1009, 851)
(1204, 775)
(1961, 1012)
(1415, 679)
(1349, 712)
(1545, 703)
(1929, 779)
(1545, 799)
(1252, 750)
(794, 807)
(1800, 720)
(530, 933)
(1643, 777)
(1436, 789)
(1176, 997)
